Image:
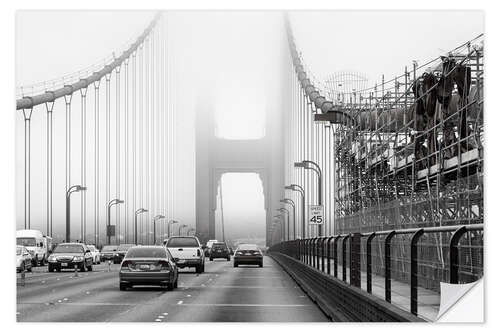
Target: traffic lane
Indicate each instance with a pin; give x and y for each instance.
(41, 273)
(95, 297)
(243, 294)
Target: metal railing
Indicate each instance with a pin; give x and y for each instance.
(315, 251)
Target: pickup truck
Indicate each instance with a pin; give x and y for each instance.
(187, 252)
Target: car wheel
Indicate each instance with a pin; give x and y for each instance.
(51, 269)
(34, 262)
(89, 268)
(199, 268)
(170, 286)
(123, 286)
(82, 267)
(235, 264)
(260, 265)
(22, 267)
(42, 262)
(30, 269)
(176, 282)
(211, 259)
(59, 270)
(228, 258)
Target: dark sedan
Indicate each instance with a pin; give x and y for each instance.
(148, 265)
(121, 251)
(248, 254)
(69, 256)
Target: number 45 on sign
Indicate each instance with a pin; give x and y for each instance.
(316, 215)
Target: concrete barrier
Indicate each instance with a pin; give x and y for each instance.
(340, 301)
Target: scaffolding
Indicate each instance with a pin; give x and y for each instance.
(405, 153)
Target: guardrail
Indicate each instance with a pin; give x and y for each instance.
(315, 251)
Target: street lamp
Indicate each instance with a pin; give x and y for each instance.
(169, 224)
(292, 203)
(279, 219)
(180, 228)
(156, 218)
(137, 212)
(108, 218)
(300, 189)
(306, 164)
(72, 189)
(283, 210)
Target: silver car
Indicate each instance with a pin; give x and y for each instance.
(96, 255)
(23, 259)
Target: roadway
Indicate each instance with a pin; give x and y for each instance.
(221, 294)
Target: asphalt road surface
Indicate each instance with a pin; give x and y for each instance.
(221, 294)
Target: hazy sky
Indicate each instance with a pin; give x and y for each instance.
(233, 55)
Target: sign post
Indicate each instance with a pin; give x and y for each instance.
(316, 214)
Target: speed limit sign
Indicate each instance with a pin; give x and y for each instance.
(316, 215)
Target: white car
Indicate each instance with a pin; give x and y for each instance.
(187, 252)
(23, 259)
(96, 255)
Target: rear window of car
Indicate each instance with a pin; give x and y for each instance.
(124, 247)
(248, 247)
(68, 249)
(109, 248)
(219, 246)
(144, 252)
(182, 242)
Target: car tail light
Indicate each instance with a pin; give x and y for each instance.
(198, 253)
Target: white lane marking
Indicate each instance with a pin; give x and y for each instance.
(87, 292)
(188, 295)
(180, 302)
(65, 299)
(18, 313)
(83, 303)
(59, 301)
(161, 317)
(165, 313)
(157, 319)
(247, 305)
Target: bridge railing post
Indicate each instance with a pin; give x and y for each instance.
(454, 257)
(335, 256)
(323, 252)
(369, 262)
(355, 260)
(328, 255)
(414, 271)
(387, 259)
(344, 268)
(318, 255)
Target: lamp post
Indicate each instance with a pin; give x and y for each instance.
(291, 203)
(169, 224)
(137, 212)
(156, 218)
(283, 210)
(181, 227)
(306, 164)
(300, 189)
(72, 189)
(108, 218)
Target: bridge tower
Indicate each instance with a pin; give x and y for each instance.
(216, 156)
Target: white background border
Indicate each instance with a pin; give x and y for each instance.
(7, 185)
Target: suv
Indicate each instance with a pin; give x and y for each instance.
(187, 252)
(220, 250)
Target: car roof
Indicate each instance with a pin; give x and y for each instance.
(73, 243)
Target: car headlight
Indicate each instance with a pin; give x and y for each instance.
(52, 259)
(78, 258)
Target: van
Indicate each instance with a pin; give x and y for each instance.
(36, 243)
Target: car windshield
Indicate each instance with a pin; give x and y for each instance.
(248, 247)
(26, 241)
(124, 247)
(182, 242)
(109, 248)
(68, 248)
(146, 252)
(91, 247)
(19, 251)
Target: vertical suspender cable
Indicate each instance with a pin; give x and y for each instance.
(27, 167)
(67, 99)
(141, 138)
(49, 107)
(134, 131)
(108, 97)
(126, 179)
(83, 198)
(96, 162)
(117, 162)
(146, 132)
